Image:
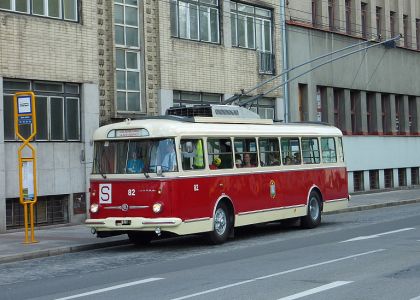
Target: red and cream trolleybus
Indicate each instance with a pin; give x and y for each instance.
(186, 175)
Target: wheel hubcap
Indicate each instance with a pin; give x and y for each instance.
(220, 221)
(314, 208)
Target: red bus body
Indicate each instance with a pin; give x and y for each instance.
(189, 199)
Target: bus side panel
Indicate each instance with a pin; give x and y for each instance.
(196, 197)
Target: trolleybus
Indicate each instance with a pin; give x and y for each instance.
(188, 175)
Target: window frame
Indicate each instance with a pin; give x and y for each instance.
(218, 154)
(48, 95)
(200, 5)
(45, 13)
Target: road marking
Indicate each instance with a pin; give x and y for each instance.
(278, 274)
(316, 290)
(120, 286)
(416, 298)
(366, 237)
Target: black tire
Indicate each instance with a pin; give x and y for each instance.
(222, 225)
(313, 218)
(140, 238)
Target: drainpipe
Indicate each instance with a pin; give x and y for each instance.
(284, 59)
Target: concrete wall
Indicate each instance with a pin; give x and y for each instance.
(205, 67)
(47, 49)
(377, 152)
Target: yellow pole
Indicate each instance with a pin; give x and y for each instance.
(31, 208)
(25, 218)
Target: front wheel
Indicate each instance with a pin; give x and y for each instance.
(313, 217)
(222, 225)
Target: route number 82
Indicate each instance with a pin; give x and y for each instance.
(131, 192)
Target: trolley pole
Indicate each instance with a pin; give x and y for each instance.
(25, 114)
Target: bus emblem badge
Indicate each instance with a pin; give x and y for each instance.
(124, 207)
(272, 189)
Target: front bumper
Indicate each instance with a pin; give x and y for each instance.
(116, 224)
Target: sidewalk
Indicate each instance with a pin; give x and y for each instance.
(66, 239)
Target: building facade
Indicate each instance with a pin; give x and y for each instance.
(372, 95)
(158, 54)
(50, 48)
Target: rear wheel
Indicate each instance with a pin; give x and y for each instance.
(140, 238)
(222, 225)
(313, 217)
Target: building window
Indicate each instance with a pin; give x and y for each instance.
(331, 14)
(389, 178)
(252, 29)
(415, 176)
(264, 106)
(348, 17)
(59, 9)
(412, 115)
(314, 13)
(364, 19)
(353, 111)
(358, 181)
(374, 179)
(402, 177)
(183, 98)
(47, 211)
(57, 110)
(195, 20)
(406, 32)
(370, 106)
(127, 56)
(386, 113)
(392, 18)
(338, 107)
(379, 22)
(418, 33)
(399, 113)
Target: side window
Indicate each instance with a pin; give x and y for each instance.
(269, 152)
(290, 151)
(246, 153)
(192, 154)
(220, 153)
(310, 151)
(329, 153)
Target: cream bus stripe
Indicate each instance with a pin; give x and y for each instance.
(278, 274)
(270, 209)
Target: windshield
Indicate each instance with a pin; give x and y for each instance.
(134, 156)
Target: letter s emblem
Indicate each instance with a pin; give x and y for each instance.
(105, 193)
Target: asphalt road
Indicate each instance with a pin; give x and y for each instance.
(372, 254)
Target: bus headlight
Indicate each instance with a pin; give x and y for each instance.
(157, 208)
(94, 208)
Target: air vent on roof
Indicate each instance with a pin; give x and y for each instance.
(216, 111)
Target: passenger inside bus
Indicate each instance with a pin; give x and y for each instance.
(169, 158)
(134, 164)
(216, 163)
(247, 161)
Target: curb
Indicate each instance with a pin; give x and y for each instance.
(80, 248)
(373, 206)
(60, 251)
